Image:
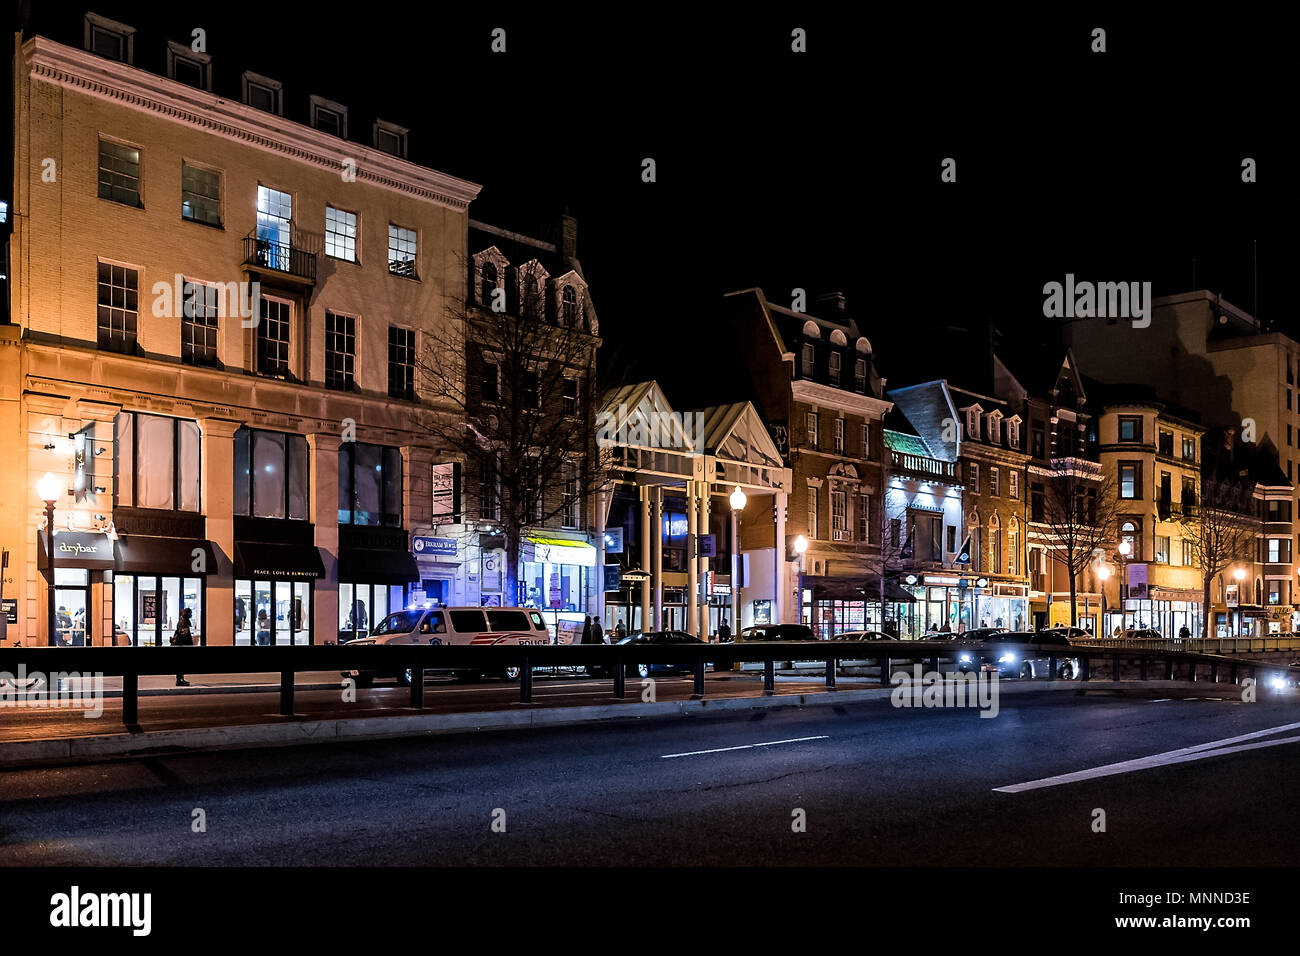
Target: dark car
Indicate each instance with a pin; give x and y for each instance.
(653, 639)
(777, 632)
(1069, 633)
(1026, 655)
(978, 635)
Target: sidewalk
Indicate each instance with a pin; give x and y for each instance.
(156, 685)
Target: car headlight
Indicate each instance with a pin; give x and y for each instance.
(1008, 658)
(1278, 683)
(964, 658)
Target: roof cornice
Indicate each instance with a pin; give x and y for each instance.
(815, 393)
(140, 90)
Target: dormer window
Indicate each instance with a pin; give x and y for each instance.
(329, 117)
(263, 93)
(390, 138)
(110, 39)
(1013, 431)
(973, 423)
(995, 427)
(489, 284)
(186, 66)
(835, 368)
(806, 361)
(569, 306)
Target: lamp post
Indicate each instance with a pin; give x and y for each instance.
(800, 546)
(1103, 572)
(1124, 549)
(48, 489)
(1240, 575)
(737, 500)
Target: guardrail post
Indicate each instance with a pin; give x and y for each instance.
(1232, 673)
(1051, 666)
(1085, 668)
(884, 670)
(417, 685)
(830, 673)
(286, 693)
(130, 699)
(526, 682)
(1142, 668)
(620, 678)
(769, 677)
(698, 692)
(1114, 667)
(1191, 671)
(934, 664)
(1214, 672)
(1169, 668)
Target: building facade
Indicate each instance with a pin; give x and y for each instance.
(216, 317)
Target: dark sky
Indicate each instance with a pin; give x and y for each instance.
(818, 170)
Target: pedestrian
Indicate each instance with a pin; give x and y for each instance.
(598, 632)
(183, 636)
(620, 632)
(263, 627)
(586, 630)
(724, 631)
(1184, 634)
(947, 628)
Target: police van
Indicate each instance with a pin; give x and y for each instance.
(453, 625)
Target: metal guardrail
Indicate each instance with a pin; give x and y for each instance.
(1203, 645)
(131, 662)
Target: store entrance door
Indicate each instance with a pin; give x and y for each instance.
(71, 601)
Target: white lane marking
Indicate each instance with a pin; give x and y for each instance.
(1213, 748)
(770, 743)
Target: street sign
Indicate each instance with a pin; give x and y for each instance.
(708, 545)
(614, 541)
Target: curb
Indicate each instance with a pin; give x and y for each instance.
(90, 749)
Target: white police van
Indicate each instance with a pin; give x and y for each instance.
(453, 625)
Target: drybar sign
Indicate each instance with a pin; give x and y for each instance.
(80, 549)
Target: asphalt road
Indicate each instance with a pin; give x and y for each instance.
(877, 786)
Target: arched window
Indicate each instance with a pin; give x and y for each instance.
(1013, 546)
(489, 282)
(569, 306)
(995, 544)
(1130, 532)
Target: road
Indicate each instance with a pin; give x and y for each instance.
(877, 786)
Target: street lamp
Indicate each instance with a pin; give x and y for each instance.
(1240, 574)
(738, 500)
(1124, 549)
(1103, 572)
(800, 546)
(48, 490)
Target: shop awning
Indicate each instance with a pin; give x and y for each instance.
(76, 549)
(260, 559)
(560, 550)
(854, 589)
(377, 566)
(146, 554)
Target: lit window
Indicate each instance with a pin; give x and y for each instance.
(401, 251)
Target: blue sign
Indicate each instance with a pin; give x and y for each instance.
(708, 546)
(612, 577)
(614, 541)
(434, 547)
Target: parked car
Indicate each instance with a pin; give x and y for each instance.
(656, 639)
(1141, 634)
(1069, 633)
(453, 625)
(776, 632)
(863, 636)
(978, 635)
(1027, 655)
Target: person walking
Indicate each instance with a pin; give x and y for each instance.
(181, 637)
(598, 632)
(724, 631)
(620, 632)
(586, 630)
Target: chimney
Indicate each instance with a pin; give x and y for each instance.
(568, 236)
(835, 303)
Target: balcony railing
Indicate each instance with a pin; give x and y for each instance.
(279, 257)
(921, 465)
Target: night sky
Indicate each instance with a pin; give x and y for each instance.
(818, 170)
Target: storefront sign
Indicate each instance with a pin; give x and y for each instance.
(434, 547)
(762, 612)
(9, 606)
(613, 540)
(612, 577)
(943, 580)
(708, 545)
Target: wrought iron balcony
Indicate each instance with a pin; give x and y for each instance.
(279, 257)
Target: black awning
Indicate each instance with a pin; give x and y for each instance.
(893, 592)
(147, 554)
(76, 549)
(377, 566)
(261, 559)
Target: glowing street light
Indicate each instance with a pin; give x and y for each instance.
(800, 546)
(48, 490)
(738, 500)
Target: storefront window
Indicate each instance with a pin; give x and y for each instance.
(558, 586)
(147, 608)
(71, 599)
(273, 612)
(362, 606)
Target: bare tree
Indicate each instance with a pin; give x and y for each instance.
(1079, 509)
(515, 380)
(897, 545)
(1220, 531)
